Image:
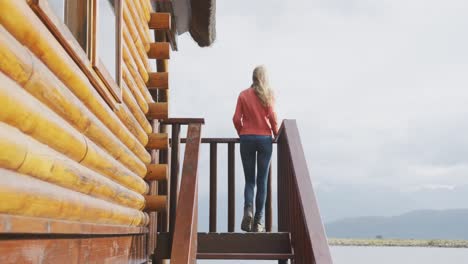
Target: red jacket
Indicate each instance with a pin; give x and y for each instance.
(252, 118)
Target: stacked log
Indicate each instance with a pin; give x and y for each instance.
(66, 153)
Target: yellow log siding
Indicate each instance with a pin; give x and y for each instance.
(139, 22)
(132, 105)
(34, 35)
(21, 110)
(133, 81)
(143, 23)
(137, 60)
(28, 196)
(23, 67)
(23, 154)
(129, 120)
(130, 34)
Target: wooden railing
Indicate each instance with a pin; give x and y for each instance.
(231, 188)
(298, 211)
(184, 238)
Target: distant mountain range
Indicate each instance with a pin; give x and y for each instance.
(421, 224)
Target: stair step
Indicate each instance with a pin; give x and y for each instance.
(246, 256)
(260, 246)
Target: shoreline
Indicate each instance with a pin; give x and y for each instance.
(433, 243)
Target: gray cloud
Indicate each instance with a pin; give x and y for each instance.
(379, 87)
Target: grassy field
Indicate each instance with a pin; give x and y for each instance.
(398, 243)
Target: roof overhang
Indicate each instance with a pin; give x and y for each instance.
(198, 17)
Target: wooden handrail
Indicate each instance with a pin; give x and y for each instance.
(298, 211)
(184, 241)
(182, 121)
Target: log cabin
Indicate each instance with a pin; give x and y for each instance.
(89, 172)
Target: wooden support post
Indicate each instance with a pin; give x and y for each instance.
(155, 203)
(231, 187)
(159, 51)
(158, 141)
(160, 21)
(161, 96)
(213, 185)
(157, 172)
(175, 168)
(268, 205)
(157, 111)
(158, 80)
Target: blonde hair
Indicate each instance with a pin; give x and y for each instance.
(261, 86)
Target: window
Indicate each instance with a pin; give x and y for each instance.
(90, 31)
(106, 38)
(70, 13)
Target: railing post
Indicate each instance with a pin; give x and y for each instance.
(184, 242)
(268, 205)
(174, 180)
(213, 185)
(231, 187)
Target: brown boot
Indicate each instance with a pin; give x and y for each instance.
(258, 226)
(247, 220)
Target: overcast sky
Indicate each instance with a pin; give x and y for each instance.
(379, 88)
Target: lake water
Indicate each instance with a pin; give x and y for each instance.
(400, 255)
(385, 255)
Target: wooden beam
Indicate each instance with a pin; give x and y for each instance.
(157, 111)
(158, 80)
(155, 203)
(157, 172)
(160, 21)
(158, 141)
(15, 224)
(159, 51)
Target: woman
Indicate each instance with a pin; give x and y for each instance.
(255, 121)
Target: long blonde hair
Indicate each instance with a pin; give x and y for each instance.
(261, 86)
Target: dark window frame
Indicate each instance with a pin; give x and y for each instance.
(107, 87)
(113, 85)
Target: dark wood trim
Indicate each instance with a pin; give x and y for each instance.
(268, 203)
(174, 174)
(231, 186)
(215, 140)
(183, 121)
(243, 256)
(213, 186)
(12, 224)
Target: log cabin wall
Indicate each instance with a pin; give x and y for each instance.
(76, 143)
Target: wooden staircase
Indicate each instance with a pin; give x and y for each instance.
(300, 238)
(239, 246)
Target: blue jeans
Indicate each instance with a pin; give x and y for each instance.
(256, 149)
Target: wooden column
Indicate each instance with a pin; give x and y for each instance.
(213, 185)
(174, 182)
(231, 187)
(161, 96)
(268, 205)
